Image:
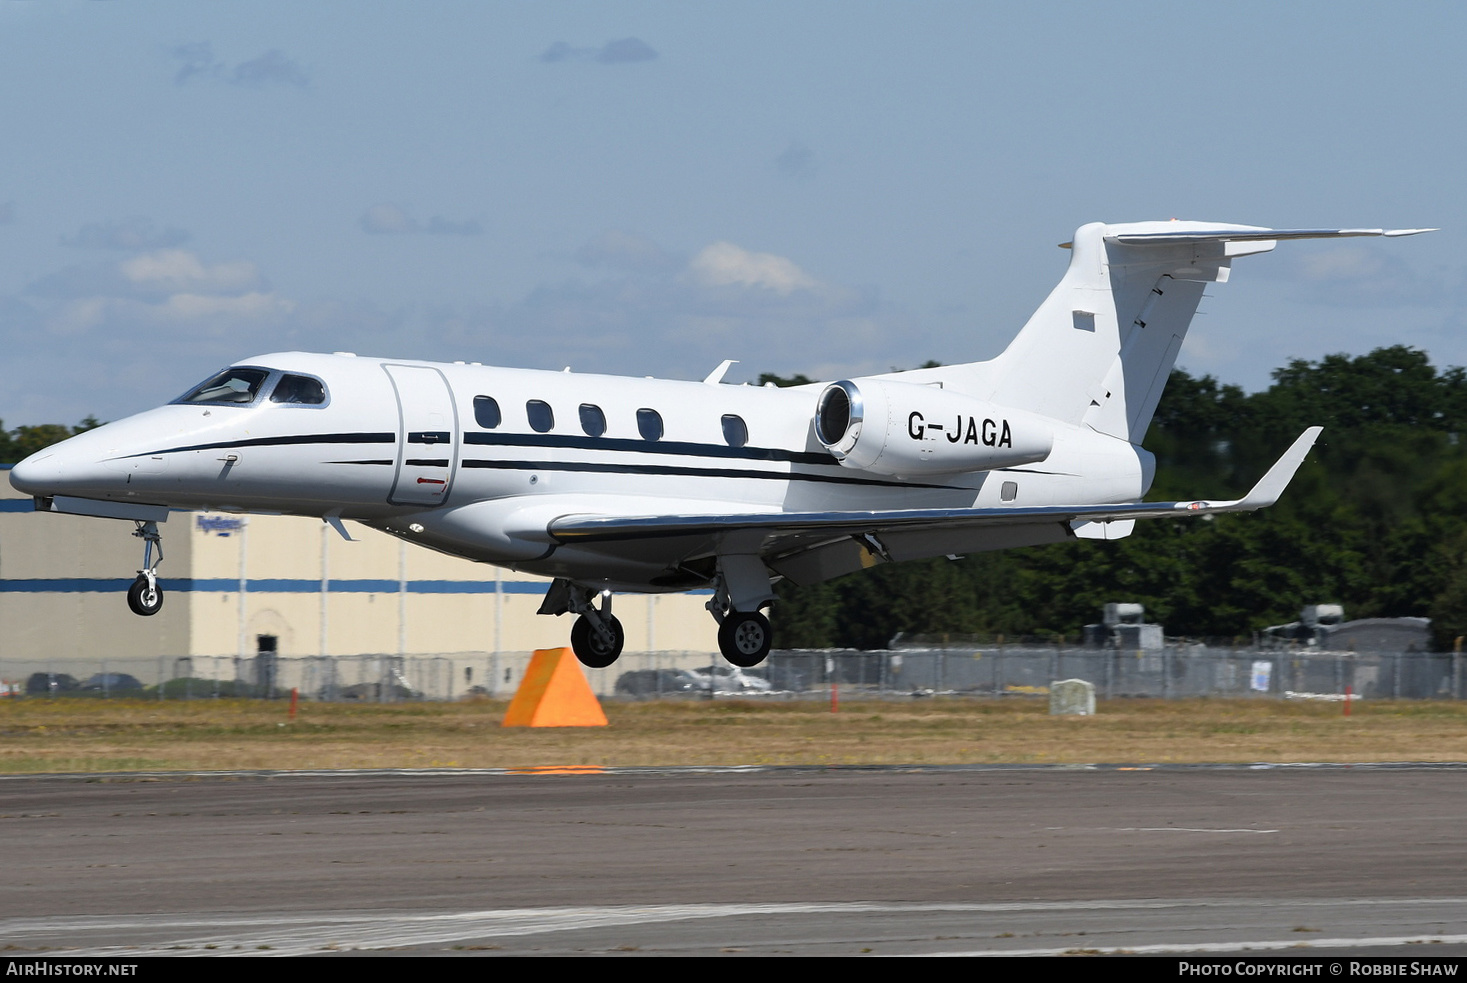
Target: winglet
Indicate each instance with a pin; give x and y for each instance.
(1272, 485)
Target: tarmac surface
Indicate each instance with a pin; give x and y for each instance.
(841, 861)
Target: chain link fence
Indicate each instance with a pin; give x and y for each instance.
(988, 671)
(1171, 672)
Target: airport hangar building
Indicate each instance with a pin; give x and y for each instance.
(237, 585)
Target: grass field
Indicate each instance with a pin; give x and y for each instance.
(72, 735)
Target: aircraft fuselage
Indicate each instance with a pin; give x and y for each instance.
(474, 460)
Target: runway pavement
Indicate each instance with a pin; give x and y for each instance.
(854, 861)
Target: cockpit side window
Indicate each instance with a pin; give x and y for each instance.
(232, 386)
(299, 390)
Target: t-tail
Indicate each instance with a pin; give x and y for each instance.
(1100, 348)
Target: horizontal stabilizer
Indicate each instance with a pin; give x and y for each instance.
(1252, 235)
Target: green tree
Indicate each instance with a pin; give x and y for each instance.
(20, 443)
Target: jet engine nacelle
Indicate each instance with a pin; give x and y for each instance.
(897, 428)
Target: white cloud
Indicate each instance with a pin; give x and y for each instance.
(167, 290)
(174, 270)
(252, 306)
(724, 264)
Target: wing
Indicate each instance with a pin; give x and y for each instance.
(808, 546)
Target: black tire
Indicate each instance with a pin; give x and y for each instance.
(744, 638)
(142, 600)
(590, 649)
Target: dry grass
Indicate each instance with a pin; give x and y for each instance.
(66, 735)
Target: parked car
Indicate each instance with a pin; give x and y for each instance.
(652, 682)
(111, 682)
(727, 679)
(42, 683)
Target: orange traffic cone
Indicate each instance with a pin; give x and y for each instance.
(554, 693)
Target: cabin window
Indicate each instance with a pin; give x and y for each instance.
(486, 412)
(1009, 491)
(230, 386)
(649, 424)
(299, 390)
(593, 421)
(542, 418)
(735, 432)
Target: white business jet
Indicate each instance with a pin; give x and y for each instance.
(617, 484)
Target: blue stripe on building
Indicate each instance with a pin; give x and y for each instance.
(275, 585)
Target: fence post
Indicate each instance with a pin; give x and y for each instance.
(1457, 668)
(998, 669)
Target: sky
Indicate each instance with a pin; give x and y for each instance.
(828, 188)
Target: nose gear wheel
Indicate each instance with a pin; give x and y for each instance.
(145, 597)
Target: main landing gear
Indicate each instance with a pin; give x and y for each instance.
(744, 638)
(740, 589)
(145, 597)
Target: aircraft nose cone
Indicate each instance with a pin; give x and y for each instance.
(38, 474)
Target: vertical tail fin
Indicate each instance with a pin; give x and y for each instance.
(1099, 349)
(1101, 346)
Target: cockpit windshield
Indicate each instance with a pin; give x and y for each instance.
(230, 386)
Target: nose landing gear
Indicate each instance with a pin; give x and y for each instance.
(145, 597)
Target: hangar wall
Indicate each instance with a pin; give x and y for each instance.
(229, 579)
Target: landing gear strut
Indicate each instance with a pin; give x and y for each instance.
(596, 637)
(145, 597)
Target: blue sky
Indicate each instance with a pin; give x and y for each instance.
(649, 188)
